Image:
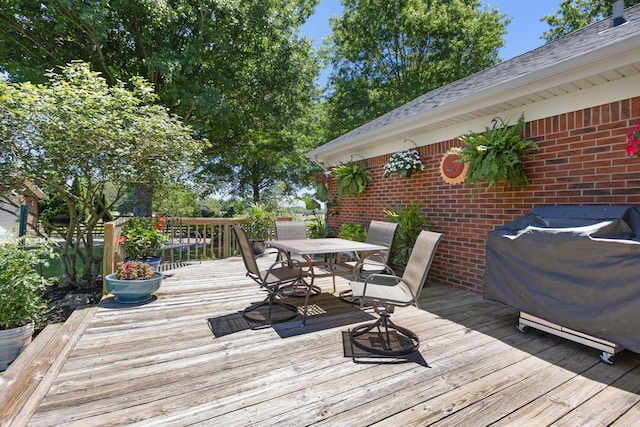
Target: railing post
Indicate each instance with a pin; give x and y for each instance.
(110, 258)
(108, 254)
(226, 240)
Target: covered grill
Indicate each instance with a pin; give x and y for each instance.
(575, 268)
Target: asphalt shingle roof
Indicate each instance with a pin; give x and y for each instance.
(588, 39)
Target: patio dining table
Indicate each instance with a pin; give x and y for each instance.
(330, 247)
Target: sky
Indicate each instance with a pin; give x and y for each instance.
(523, 33)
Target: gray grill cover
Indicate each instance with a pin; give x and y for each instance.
(577, 266)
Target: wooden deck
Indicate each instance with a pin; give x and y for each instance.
(188, 358)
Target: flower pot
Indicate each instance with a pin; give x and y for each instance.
(404, 173)
(133, 291)
(12, 342)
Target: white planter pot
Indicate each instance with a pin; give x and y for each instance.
(12, 342)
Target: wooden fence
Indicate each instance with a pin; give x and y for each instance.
(188, 239)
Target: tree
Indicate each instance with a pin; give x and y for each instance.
(75, 137)
(236, 71)
(388, 52)
(575, 14)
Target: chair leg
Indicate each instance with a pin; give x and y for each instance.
(270, 302)
(384, 325)
(301, 289)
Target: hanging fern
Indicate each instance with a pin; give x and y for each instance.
(352, 178)
(496, 157)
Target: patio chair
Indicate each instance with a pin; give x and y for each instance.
(379, 233)
(385, 292)
(296, 230)
(270, 280)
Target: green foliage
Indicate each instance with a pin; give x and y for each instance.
(575, 14)
(260, 223)
(385, 53)
(142, 238)
(352, 178)
(355, 232)
(496, 157)
(410, 224)
(21, 286)
(77, 139)
(317, 226)
(238, 72)
(176, 200)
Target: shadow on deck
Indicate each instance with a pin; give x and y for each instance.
(188, 357)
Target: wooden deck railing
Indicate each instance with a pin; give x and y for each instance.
(188, 239)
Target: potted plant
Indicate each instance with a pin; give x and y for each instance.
(21, 288)
(133, 282)
(403, 163)
(142, 239)
(352, 178)
(496, 157)
(259, 226)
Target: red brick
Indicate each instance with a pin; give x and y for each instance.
(581, 161)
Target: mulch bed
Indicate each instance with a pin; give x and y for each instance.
(63, 300)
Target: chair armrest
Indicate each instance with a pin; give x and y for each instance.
(284, 263)
(371, 279)
(361, 264)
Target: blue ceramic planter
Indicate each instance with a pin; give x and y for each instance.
(133, 291)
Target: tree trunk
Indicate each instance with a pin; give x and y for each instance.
(143, 196)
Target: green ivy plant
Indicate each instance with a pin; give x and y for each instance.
(495, 157)
(410, 224)
(352, 178)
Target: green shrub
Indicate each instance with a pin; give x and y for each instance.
(21, 286)
(410, 224)
(354, 232)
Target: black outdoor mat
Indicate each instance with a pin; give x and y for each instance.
(361, 356)
(325, 311)
(227, 325)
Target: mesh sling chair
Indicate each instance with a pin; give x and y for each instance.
(379, 233)
(296, 230)
(385, 292)
(278, 274)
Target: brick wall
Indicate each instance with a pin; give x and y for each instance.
(581, 161)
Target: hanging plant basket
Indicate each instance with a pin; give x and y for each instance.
(403, 163)
(404, 173)
(352, 179)
(495, 157)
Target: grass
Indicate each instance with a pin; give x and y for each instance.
(54, 269)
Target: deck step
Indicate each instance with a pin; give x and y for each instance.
(26, 381)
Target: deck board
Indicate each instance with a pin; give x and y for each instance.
(161, 364)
